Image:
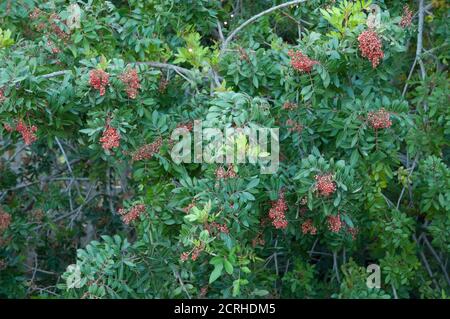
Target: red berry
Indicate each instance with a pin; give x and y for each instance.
(334, 223)
(99, 79)
(132, 214)
(370, 47)
(379, 119)
(5, 220)
(308, 227)
(110, 138)
(131, 80)
(277, 213)
(301, 62)
(27, 132)
(147, 151)
(325, 184)
(406, 17)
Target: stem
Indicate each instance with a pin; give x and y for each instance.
(253, 19)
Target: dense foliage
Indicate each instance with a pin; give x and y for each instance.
(92, 205)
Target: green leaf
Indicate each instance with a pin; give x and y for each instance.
(216, 273)
(228, 266)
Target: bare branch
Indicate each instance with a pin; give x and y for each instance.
(158, 65)
(253, 19)
(419, 48)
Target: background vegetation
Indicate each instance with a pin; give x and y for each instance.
(359, 91)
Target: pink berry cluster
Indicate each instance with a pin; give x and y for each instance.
(301, 62)
(203, 291)
(188, 208)
(55, 49)
(188, 126)
(379, 119)
(334, 223)
(221, 173)
(289, 106)
(353, 232)
(195, 253)
(294, 126)
(277, 212)
(51, 23)
(325, 184)
(54, 18)
(406, 17)
(132, 214)
(131, 80)
(99, 80)
(147, 151)
(110, 138)
(27, 132)
(8, 127)
(371, 47)
(217, 228)
(5, 220)
(36, 13)
(308, 227)
(258, 240)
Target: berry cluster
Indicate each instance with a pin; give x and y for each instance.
(379, 119)
(99, 79)
(132, 214)
(188, 126)
(217, 228)
(353, 232)
(188, 208)
(406, 17)
(131, 80)
(301, 62)
(51, 24)
(334, 223)
(203, 291)
(289, 106)
(325, 184)
(308, 227)
(54, 49)
(8, 127)
(147, 151)
(36, 13)
(110, 138)
(370, 47)
(5, 220)
(195, 253)
(221, 173)
(27, 132)
(277, 212)
(294, 126)
(56, 29)
(258, 241)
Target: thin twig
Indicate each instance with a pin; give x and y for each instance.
(336, 267)
(419, 47)
(253, 19)
(435, 255)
